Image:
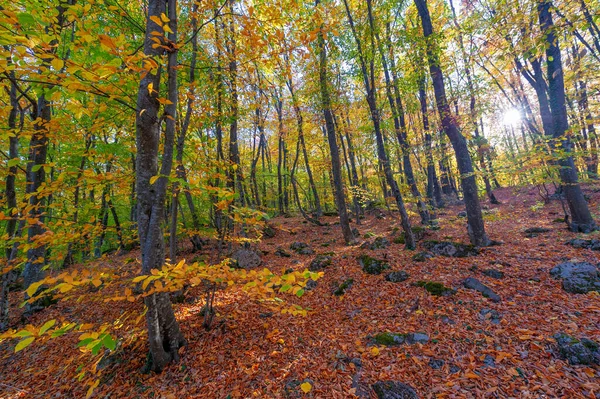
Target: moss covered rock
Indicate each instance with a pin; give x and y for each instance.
(435, 288)
(372, 265)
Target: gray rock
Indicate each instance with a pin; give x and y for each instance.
(493, 273)
(490, 314)
(310, 285)
(454, 369)
(319, 263)
(489, 361)
(283, 253)
(394, 390)
(245, 258)
(371, 265)
(397, 276)
(417, 338)
(341, 289)
(474, 284)
(577, 351)
(593, 244)
(462, 214)
(395, 339)
(301, 248)
(269, 231)
(422, 256)
(536, 230)
(577, 278)
(378, 243)
(436, 364)
(451, 249)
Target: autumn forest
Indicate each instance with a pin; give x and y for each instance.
(300, 199)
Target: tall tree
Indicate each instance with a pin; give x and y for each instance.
(475, 224)
(336, 170)
(164, 335)
(581, 218)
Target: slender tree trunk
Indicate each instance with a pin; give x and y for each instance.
(476, 227)
(581, 218)
(399, 121)
(369, 82)
(434, 192)
(338, 191)
(164, 335)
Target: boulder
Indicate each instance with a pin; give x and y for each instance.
(451, 249)
(474, 284)
(436, 364)
(577, 277)
(269, 231)
(490, 314)
(282, 252)
(535, 231)
(378, 243)
(395, 339)
(435, 288)
(577, 351)
(394, 390)
(319, 263)
(341, 289)
(593, 244)
(422, 256)
(493, 273)
(245, 258)
(301, 248)
(371, 265)
(397, 276)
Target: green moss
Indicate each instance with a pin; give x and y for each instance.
(341, 290)
(371, 265)
(389, 339)
(369, 234)
(399, 239)
(435, 288)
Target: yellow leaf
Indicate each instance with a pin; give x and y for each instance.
(156, 20)
(153, 179)
(64, 287)
(91, 389)
(47, 325)
(167, 29)
(164, 18)
(150, 87)
(374, 351)
(97, 282)
(57, 64)
(24, 343)
(33, 288)
(306, 387)
(139, 278)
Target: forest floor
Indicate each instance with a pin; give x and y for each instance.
(252, 353)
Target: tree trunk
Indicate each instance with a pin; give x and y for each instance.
(338, 191)
(164, 335)
(369, 82)
(581, 218)
(476, 227)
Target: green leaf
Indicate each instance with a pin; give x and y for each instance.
(25, 18)
(285, 288)
(300, 293)
(47, 325)
(109, 342)
(24, 343)
(13, 162)
(23, 333)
